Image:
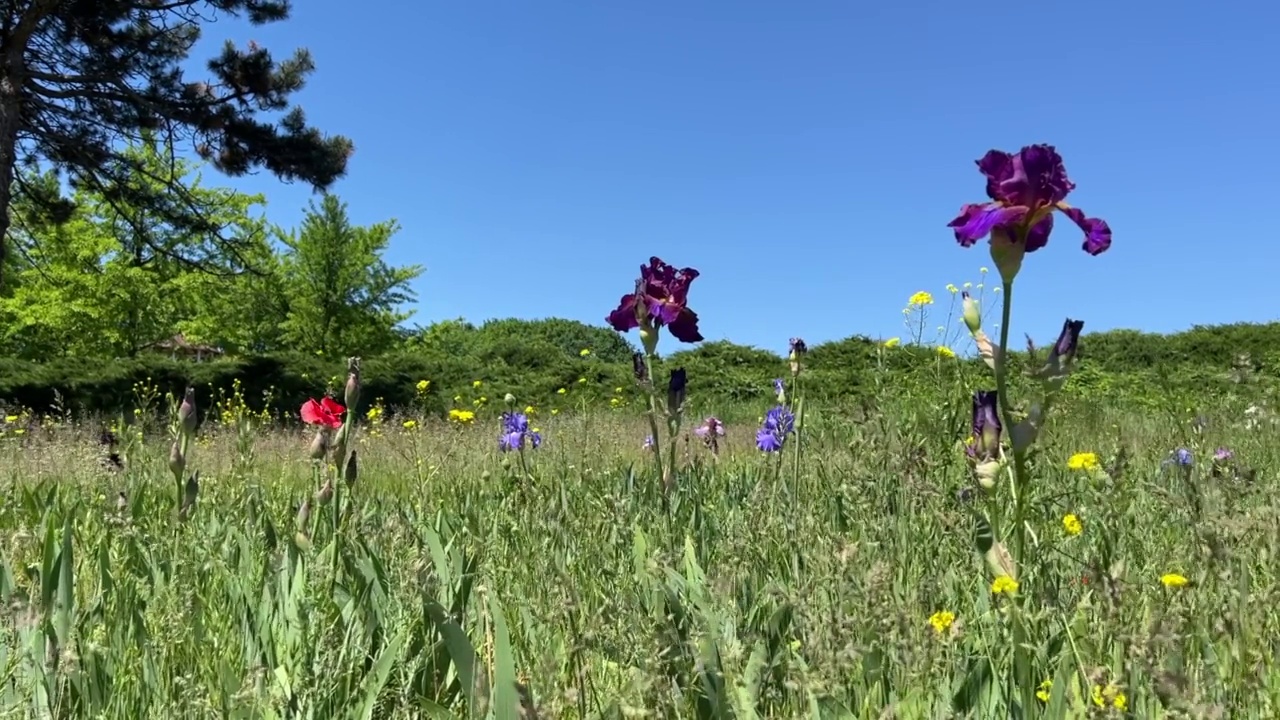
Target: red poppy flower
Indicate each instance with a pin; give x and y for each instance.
(327, 412)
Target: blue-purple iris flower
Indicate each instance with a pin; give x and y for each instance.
(986, 426)
(515, 432)
(1025, 189)
(1181, 457)
(779, 422)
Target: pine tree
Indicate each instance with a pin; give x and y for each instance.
(81, 79)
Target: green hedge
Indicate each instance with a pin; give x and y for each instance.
(535, 359)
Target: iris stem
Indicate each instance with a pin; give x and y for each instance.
(1021, 676)
(649, 362)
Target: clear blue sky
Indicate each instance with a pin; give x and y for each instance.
(805, 157)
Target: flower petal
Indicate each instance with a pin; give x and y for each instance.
(331, 406)
(311, 413)
(1038, 235)
(1097, 233)
(976, 221)
(624, 317)
(997, 165)
(685, 327)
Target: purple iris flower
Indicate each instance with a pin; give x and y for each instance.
(711, 427)
(779, 422)
(515, 432)
(1025, 189)
(1068, 340)
(648, 442)
(779, 389)
(1222, 455)
(711, 430)
(664, 290)
(986, 425)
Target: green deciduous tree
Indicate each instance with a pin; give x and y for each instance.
(81, 78)
(94, 284)
(343, 298)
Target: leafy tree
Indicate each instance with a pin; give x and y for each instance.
(91, 286)
(80, 78)
(343, 297)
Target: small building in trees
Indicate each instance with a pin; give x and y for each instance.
(179, 347)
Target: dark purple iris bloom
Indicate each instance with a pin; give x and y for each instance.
(798, 347)
(1068, 340)
(1182, 456)
(1025, 189)
(779, 422)
(665, 292)
(515, 431)
(986, 425)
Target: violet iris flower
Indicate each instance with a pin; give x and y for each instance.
(1025, 189)
(1068, 340)
(779, 422)
(515, 431)
(665, 292)
(986, 425)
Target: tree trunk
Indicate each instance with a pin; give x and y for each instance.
(13, 69)
(10, 104)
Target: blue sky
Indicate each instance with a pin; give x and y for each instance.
(805, 157)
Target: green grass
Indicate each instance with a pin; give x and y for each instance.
(449, 582)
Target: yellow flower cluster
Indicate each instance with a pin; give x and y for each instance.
(1004, 585)
(1173, 580)
(1072, 525)
(920, 299)
(1110, 695)
(1083, 461)
(942, 621)
(462, 417)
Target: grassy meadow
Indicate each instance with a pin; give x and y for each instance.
(835, 579)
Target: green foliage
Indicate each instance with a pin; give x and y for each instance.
(89, 74)
(448, 580)
(109, 280)
(342, 296)
(535, 359)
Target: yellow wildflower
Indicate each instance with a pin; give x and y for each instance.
(373, 414)
(615, 402)
(462, 417)
(11, 419)
(919, 299)
(1042, 692)
(1173, 580)
(951, 288)
(582, 381)
(1004, 585)
(584, 352)
(942, 621)
(530, 410)
(423, 385)
(555, 411)
(562, 391)
(892, 342)
(1110, 695)
(618, 390)
(1072, 525)
(476, 383)
(410, 424)
(1083, 461)
(945, 352)
(457, 398)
